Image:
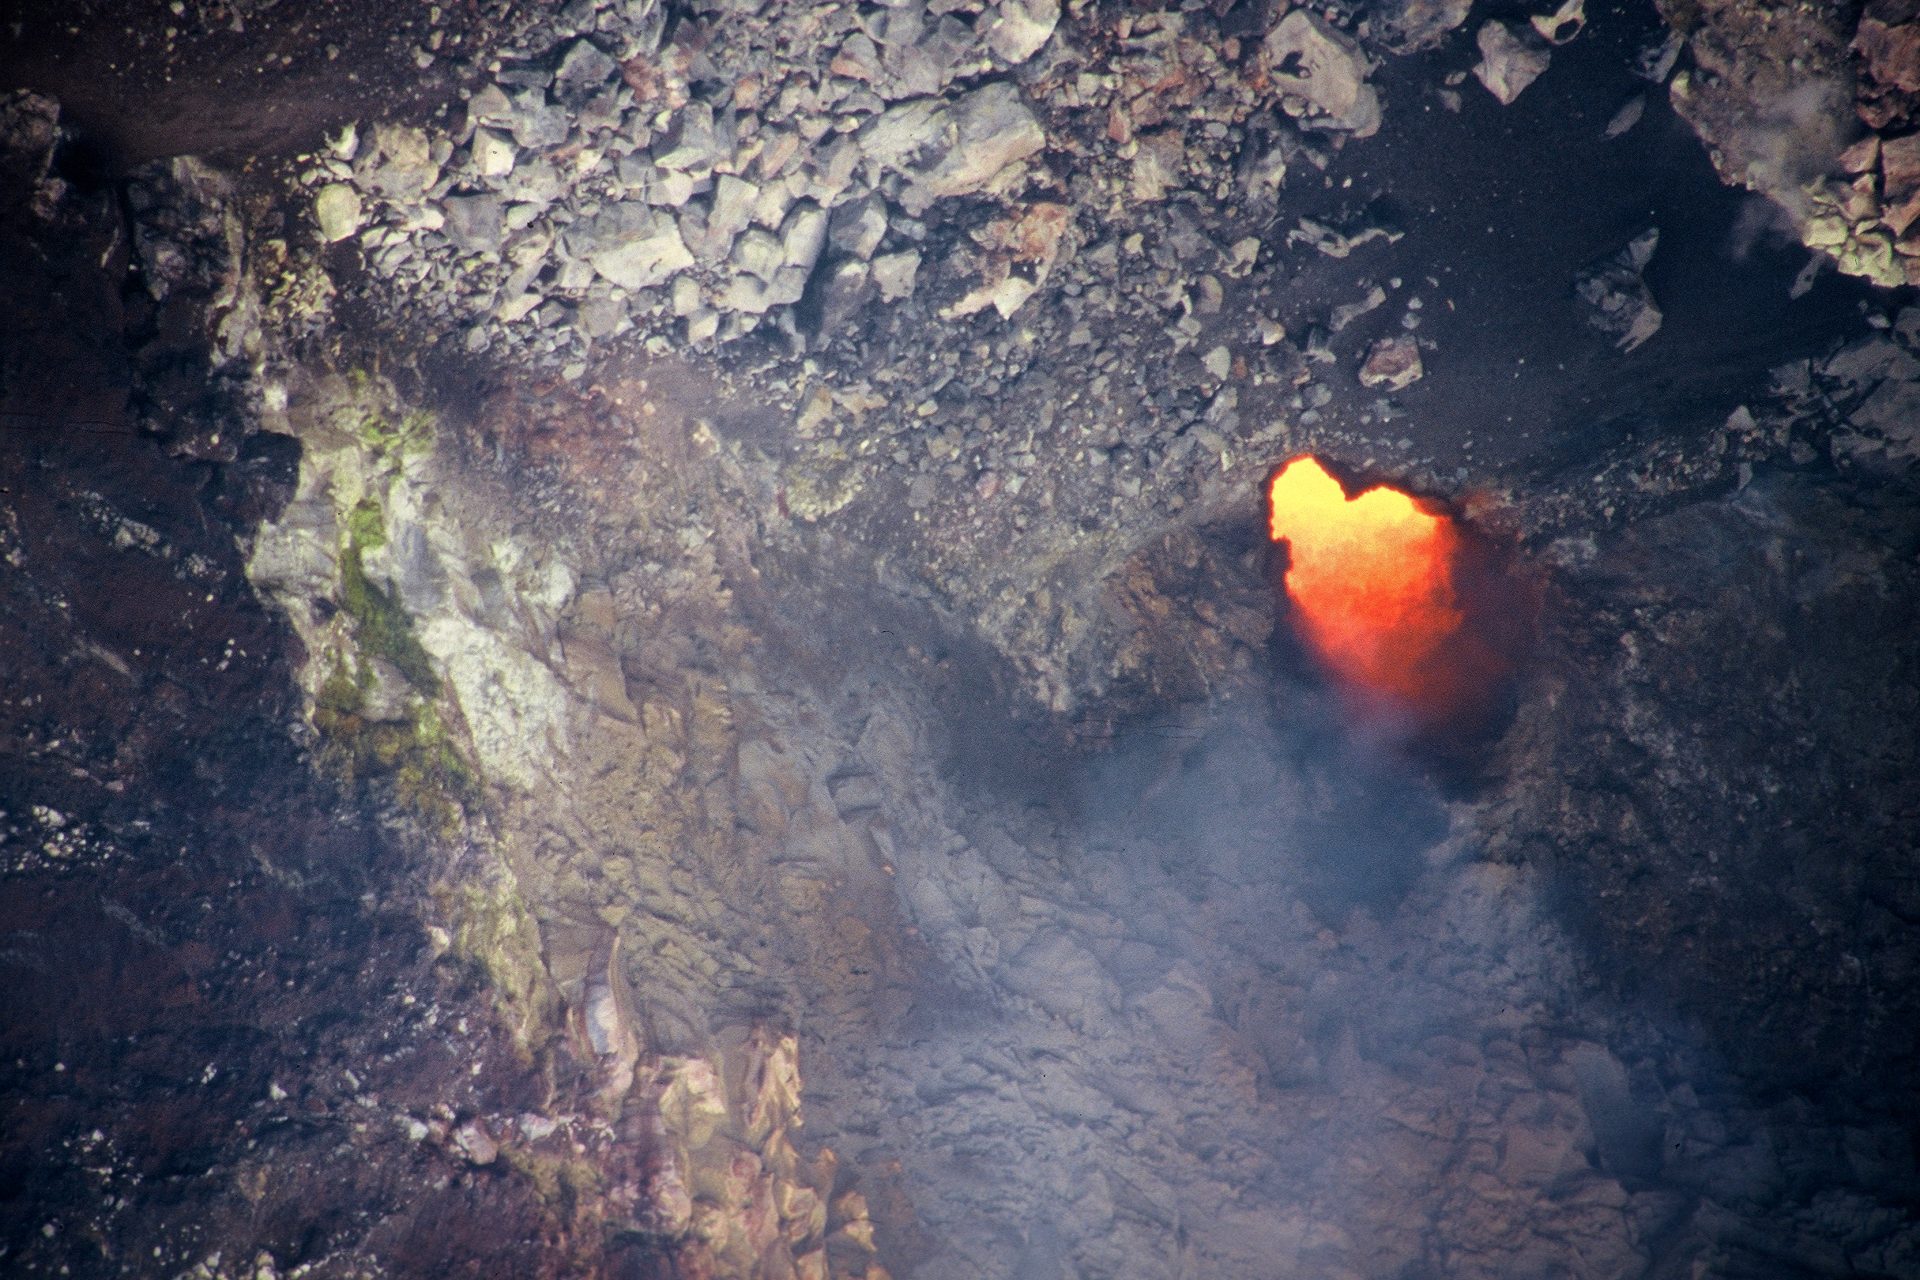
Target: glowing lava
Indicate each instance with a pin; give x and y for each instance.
(1372, 579)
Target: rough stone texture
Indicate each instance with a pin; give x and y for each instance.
(1780, 97)
(885, 705)
(1311, 60)
(336, 208)
(1616, 294)
(1508, 62)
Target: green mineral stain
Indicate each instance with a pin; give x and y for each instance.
(494, 930)
(381, 628)
(417, 757)
(380, 426)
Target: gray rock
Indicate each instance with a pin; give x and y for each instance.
(897, 137)
(475, 224)
(1345, 314)
(685, 297)
(758, 254)
(632, 246)
(953, 149)
(516, 306)
(992, 128)
(489, 105)
(844, 293)
(771, 208)
(752, 295)
(534, 183)
(1407, 26)
(522, 216)
(337, 209)
(789, 285)
(858, 59)
(830, 169)
(583, 72)
(858, 227)
(524, 75)
(603, 110)
(921, 57)
(493, 153)
(692, 142)
(672, 188)
(1616, 296)
(745, 293)
(1393, 364)
(733, 204)
(1509, 62)
(537, 123)
(1021, 27)
(894, 274)
(574, 274)
(475, 1143)
(636, 174)
(1308, 59)
(1159, 165)
(1627, 116)
(803, 236)
(398, 164)
(1655, 61)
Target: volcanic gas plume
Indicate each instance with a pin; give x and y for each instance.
(1372, 582)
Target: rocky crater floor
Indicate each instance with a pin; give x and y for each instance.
(641, 640)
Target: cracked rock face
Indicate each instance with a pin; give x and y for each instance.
(668, 664)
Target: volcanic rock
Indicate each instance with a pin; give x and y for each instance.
(493, 154)
(803, 235)
(1408, 26)
(476, 224)
(583, 70)
(1313, 62)
(759, 254)
(536, 123)
(1393, 364)
(1616, 295)
(953, 149)
(396, 163)
(1626, 117)
(679, 695)
(631, 245)
(894, 274)
(1887, 42)
(1020, 27)
(336, 207)
(844, 291)
(1509, 61)
(734, 200)
(1563, 24)
(693, 143)
(475, 1143)
(858, 227)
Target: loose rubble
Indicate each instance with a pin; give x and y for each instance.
(1615, 293)
(592, 177)
(1782, 104)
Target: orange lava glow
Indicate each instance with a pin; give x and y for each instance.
(1371, 578)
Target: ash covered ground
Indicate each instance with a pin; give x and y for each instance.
(641, 640)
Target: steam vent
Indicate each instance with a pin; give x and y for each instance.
(960, 639)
